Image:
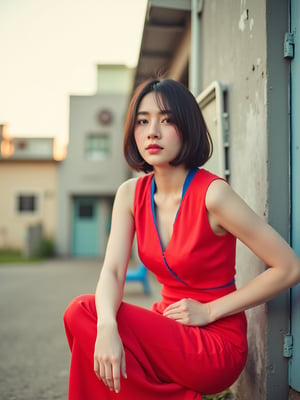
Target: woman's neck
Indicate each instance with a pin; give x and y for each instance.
(171, 180)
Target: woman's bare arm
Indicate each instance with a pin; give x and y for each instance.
(228, 212)
(232, 214)
(109, 357)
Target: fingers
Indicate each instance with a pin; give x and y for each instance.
(176, 310)
(182, 311)
(96, 369)
(123, 366)
(177, 315)
(113, 376)
(108, 371)
(171, 307)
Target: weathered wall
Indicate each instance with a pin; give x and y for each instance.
(233, 35)
(242, 47)
(23, 177)
(80, 176)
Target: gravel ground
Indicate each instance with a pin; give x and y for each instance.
(34, 355)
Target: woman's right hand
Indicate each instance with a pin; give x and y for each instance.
(109, 357)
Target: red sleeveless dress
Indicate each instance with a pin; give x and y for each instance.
(165, 359)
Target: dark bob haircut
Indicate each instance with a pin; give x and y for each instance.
(170, 95)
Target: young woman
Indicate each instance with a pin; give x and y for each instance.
(186, 221)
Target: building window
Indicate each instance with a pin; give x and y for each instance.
(27, 203)
(97, 146)
(86, 211)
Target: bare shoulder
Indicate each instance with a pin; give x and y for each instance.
(229, 211)
(217, 200)
(218, 194)
(128, 187)
(125, 192)
(223, 200)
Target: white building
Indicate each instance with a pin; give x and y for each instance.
(94, 166)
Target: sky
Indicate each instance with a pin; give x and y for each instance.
(49, 50)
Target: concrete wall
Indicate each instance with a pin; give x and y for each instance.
(23, 177)
(233, 51)
(80, 176)
(242, 47)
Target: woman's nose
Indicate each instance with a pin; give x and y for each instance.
(154, 131)
(152, 135)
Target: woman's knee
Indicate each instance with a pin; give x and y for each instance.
(77, 307)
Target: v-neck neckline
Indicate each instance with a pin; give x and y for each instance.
(186, 184)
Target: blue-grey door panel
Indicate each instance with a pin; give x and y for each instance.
(295, 187)
(85, 241)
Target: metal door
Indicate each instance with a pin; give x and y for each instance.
(85, 227)
(295, 186)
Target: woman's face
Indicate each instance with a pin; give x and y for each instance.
(157, 137)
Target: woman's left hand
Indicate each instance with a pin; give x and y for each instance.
(189, 312)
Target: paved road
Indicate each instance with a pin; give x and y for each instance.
(34, 356)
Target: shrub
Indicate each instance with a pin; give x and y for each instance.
(45, 248)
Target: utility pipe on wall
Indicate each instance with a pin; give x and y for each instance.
(195, 65)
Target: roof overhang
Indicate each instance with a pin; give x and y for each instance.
(166, 32)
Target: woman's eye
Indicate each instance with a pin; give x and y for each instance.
(167, 120)
(141, 121)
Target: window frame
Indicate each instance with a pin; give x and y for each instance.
(100, 152)
(28, 193)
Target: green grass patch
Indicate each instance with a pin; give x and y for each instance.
(44, 250)
(13, 256)
(226, 395)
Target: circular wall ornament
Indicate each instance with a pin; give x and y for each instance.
(105, 116)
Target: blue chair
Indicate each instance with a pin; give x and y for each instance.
(139, 274)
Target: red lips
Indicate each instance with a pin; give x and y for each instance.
(154, 147)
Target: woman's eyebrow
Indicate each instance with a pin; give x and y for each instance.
(162, 112)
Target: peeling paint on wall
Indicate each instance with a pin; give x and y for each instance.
(234, 51)
(243, 18)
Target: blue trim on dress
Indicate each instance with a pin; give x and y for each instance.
(188, 180)
(186, 184)
(153, 189)
(220, 287)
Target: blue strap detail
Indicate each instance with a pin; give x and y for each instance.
(220, 287)
(188, 180)
(153, 189)
(186, 184)
(172, 272)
